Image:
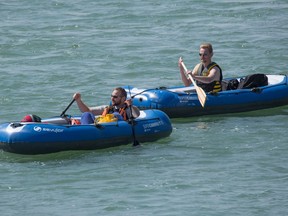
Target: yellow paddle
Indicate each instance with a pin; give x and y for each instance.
(200, 92)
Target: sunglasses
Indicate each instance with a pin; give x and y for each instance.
(203, 54)
(114, 96)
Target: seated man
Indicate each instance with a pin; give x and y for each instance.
(207, 74)
(121, 107)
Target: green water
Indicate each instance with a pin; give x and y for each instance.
(215, 165)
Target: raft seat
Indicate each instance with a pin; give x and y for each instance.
(57, 121)
(275, 79)
(187, 89)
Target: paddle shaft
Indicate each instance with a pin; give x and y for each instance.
(189, 75)
(131, 120)
(200, 92)
(63, 113)
(135, 142)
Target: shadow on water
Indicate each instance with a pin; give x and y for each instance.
(58, 157)
(55, 157)
(278, 111)
(64, 156)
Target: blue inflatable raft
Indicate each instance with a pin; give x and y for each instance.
(183, 101)
(57, 134)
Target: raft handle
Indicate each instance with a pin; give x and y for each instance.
(256, 90)
(16, 124)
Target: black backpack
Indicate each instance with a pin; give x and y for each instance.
(253, 81)
(231, 84)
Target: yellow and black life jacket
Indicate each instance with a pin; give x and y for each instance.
(214, 86)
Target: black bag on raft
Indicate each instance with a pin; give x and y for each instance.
(229, 84)
(253, 81)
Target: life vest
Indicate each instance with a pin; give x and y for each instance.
(105, 119)
(214, 86)
(111, 110)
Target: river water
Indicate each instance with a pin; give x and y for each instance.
(211, 165)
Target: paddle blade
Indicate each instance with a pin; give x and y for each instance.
(201, 95)
(136, 143)
(200, 92)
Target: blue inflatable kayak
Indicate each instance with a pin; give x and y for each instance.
(57, 134)
(181, 101)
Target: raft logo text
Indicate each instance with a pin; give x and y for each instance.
(56, 130)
